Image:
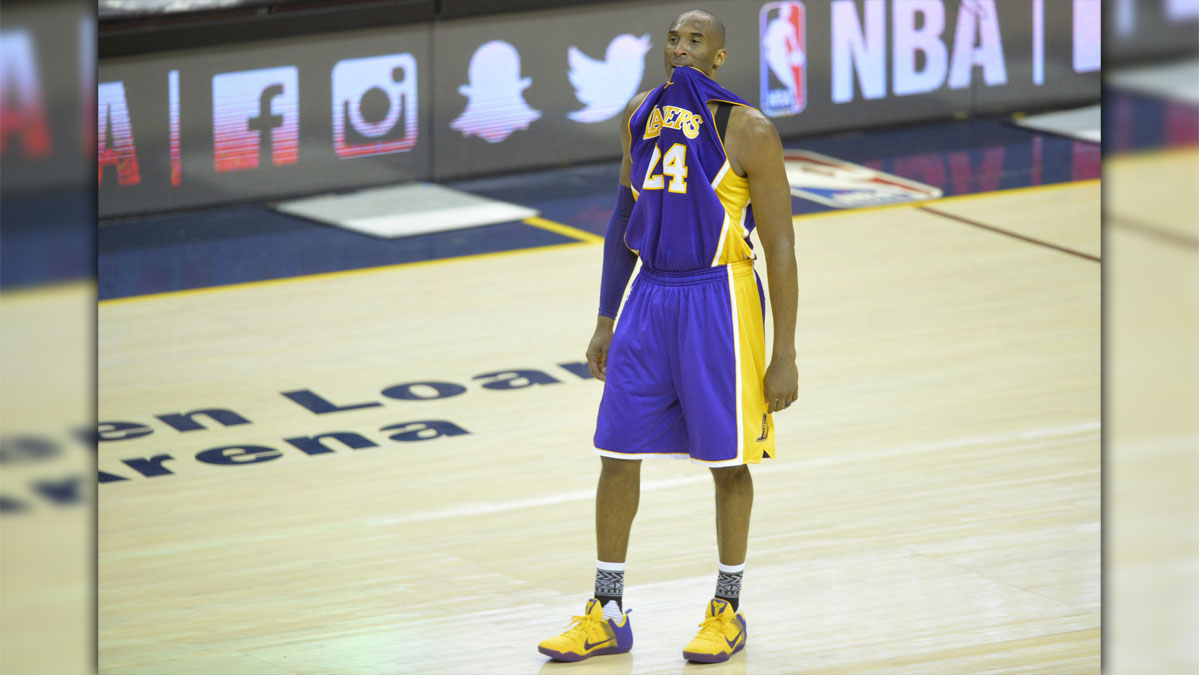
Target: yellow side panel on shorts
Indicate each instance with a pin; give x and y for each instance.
(757, 426)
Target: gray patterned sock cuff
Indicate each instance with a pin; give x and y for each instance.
(728, 584)
(609, 583)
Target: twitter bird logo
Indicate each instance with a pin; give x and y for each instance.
(604, 87)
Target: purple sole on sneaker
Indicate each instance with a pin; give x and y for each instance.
(571, 656)
(712, 658)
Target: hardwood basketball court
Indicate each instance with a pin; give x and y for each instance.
(935, 506)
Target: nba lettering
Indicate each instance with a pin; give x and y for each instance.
(115, 135)
(24, 113)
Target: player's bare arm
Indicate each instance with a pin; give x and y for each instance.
(758, 153)
(626, 161)
(597, 349)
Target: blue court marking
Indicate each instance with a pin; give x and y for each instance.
(47, 238)
(962, 158)
(1133, 122)
(959, 158)
(241, 244)
(580, 196)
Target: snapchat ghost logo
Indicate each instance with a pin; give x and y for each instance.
(495, 106)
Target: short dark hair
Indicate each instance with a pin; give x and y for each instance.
(713, 22)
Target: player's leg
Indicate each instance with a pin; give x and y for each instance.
(723, 401)
(604, 626)
(638, 417)
(734, 501)
(616, 500)
(723, 631)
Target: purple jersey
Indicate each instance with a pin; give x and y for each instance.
(692, 210)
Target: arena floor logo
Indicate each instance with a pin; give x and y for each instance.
(412, 431)
(53, 476)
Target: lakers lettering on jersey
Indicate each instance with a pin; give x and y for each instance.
(692, 211)
(672, 118)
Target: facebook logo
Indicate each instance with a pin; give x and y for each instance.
(255, 118)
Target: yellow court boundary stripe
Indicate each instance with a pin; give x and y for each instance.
(583, 238)
(21, 293)
(564, 230)
(339, 273)
(1149, 154)
(951, 198)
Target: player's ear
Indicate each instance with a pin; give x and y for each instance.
(718, 60)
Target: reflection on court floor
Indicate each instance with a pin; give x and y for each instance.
(394, 470)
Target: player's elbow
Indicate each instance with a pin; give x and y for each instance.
(778, 241)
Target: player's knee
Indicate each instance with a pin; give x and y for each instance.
(620, 467)
(727, 476)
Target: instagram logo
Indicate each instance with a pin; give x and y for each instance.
(255, 118)
(374, 105)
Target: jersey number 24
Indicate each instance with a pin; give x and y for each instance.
(675, 166)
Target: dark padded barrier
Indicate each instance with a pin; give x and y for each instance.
(459, 9)
(253, 22)
(449, 98)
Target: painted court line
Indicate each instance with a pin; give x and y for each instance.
(581, 237)
(951, 199)
(562, 229)
(1008, 233)
(1060, 431)
(337, 273)
(491, 507)
(1154, 231)
(484, 508)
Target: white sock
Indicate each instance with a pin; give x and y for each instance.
(612, 611)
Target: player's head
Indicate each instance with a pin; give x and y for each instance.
(695, 38)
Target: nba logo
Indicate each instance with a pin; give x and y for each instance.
(783, 59)
(374, 105)
(255, 118)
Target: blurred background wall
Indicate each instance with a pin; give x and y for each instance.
(367, 93)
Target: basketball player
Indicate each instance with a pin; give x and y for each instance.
(685, 374)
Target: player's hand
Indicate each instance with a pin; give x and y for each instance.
(781, 384)
(597, 351)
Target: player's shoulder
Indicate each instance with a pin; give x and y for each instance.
(634, 103)
(629, 109)
(750, 123)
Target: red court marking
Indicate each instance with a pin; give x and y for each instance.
(1154, 231)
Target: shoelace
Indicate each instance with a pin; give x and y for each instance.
(714, 627)
(580, 623)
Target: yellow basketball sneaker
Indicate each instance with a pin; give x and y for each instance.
(721, 635)
(590, 635)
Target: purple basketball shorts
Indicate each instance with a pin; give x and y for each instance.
(685, 370)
